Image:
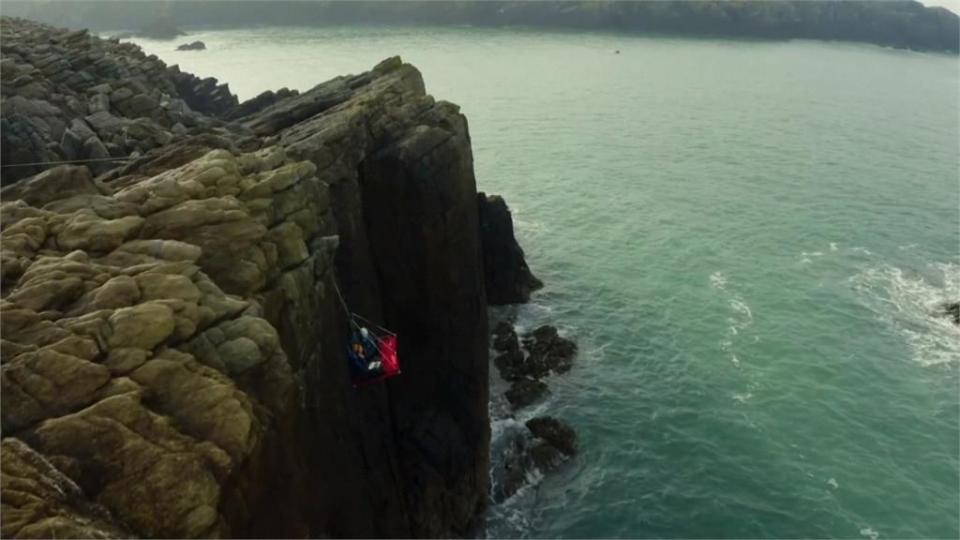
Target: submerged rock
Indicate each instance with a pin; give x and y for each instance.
(506, 274)
(528, 452)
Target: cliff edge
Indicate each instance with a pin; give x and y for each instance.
(172, 335)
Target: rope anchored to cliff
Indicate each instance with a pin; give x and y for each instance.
(371, 354)
(66, 162)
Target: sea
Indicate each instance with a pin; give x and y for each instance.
(750, 241)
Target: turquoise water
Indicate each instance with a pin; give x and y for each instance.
(747, 239)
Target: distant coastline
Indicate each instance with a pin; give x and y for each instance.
(903, 24)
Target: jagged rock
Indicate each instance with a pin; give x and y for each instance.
(260, 102)
(45, 503)
(508, 279)
(546, 457)
(513, 470)
(555, 432)
(525, 392)
(549, 351)
(512, 365)
(54, 184)
(521, 457)
(505, 337)
(952, 310)
(188, 300)
(192, 46)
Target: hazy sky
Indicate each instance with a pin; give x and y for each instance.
(952, 5)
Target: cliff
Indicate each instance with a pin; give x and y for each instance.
(172, 340)
(895, 23)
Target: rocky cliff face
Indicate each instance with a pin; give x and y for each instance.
(172, 341)
(508, 278)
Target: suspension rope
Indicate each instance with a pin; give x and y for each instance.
(354, 316)
(343, 303)
(66, 162)
(371, 323)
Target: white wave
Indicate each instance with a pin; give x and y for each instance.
(833, 483)
(833, 246)
(805, 257)
(742, 398)
(718, 281)
(869, 533)
(744, 315)
(913, 307)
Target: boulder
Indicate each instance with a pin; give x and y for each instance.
(952, 310)
(555, 432)
(506, 274)
(525, 392)
(57, 183)
(505, 337)
(192, 46)
(548, 351)
(512, 365)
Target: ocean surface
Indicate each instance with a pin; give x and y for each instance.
(749, 241)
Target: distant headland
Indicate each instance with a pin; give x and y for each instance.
(904, 24)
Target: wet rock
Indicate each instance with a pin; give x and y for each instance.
(507, 277)
(525, 392)
(549, 351)
(513, 471)
(511, 364)
(192, 46)
(505, 337)
(546, 457)
(952, 310)
(556, 432)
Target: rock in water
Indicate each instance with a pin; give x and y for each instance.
(525, 392)
(193, 46)
(952, 310)
(505, 337)
(549, 351)
(507, 277)
(557, 433)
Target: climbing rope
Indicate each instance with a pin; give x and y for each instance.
(66, 162)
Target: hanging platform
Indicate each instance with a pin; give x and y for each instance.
(372, 354)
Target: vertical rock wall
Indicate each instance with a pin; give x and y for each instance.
(173, 342)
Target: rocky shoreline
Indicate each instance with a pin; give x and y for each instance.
(172, 344)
